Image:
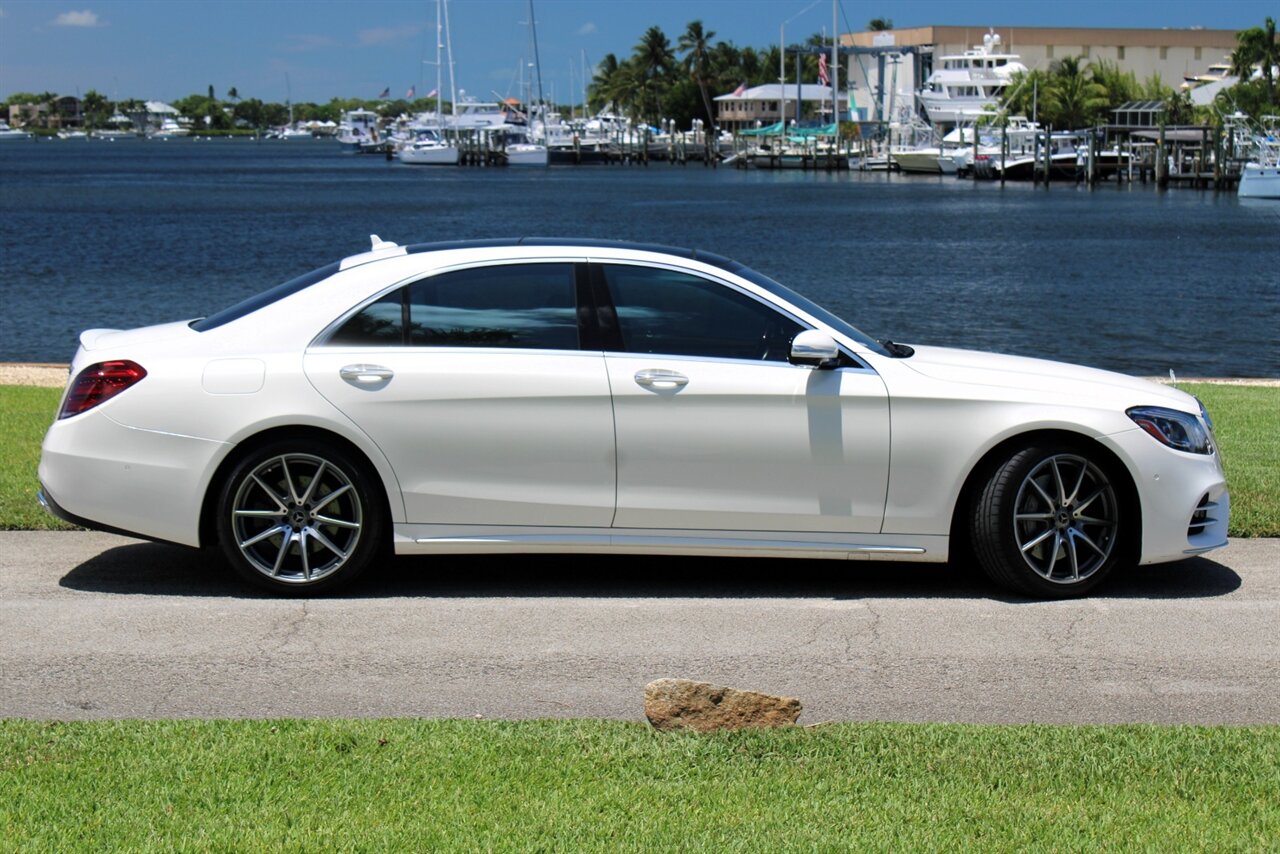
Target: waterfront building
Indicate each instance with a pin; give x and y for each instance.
(889, 67)
(764, 105)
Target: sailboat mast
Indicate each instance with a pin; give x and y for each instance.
(439, 68)
(537, 63)
(448, 40)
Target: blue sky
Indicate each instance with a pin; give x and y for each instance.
(169, 48)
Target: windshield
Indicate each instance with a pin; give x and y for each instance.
(809, 306)
(266, 298)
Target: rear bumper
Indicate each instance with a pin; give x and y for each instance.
(100, 474)
(53, 508)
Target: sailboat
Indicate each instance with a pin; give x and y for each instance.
(430, 148)
(290, 131)
(530, 153)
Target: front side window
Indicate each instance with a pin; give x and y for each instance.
(528, 306)
(672, 313)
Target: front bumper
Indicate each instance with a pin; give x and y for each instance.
(1172, 487)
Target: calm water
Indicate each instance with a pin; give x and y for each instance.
(129, 233)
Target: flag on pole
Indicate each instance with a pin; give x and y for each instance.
(386, 93)
(431, 94)
(740, 91)
(824, 77)
(409, 95)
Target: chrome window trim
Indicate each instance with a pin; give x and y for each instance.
(321, 338)
(783, 309)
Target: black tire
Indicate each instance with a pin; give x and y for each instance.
(300, 517)
(1049, 522)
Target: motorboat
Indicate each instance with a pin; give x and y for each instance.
(169, 129)
(10, 133)
(1260, 177)
(968, 83)
(358, 128)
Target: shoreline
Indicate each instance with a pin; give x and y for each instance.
(54, 375)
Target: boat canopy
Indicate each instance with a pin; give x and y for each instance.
(823, 130)
(775, 129)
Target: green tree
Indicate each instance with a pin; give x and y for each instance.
(1031, 94)
(695, 44)
(614, 83)
(654, 65)
(1081, 101)
(233, 94)
(249, 111)
(1257, 46)
(878, 25)
(97, 109)
(1121, 86)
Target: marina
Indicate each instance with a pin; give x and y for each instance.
(136, 231)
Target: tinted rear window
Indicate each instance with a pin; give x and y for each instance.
(266, 298)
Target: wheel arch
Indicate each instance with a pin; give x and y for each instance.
(208, 525)
(979, 473)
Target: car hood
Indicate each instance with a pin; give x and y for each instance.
(1019, 372)
(97, 339)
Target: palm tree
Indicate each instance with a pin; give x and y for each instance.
(879, 25)
(95, 107)
(1031, 93)
(654, 63)
(1121, 86)
(1081, 101)
(695, 45)
(613, 83)
(1257, 46)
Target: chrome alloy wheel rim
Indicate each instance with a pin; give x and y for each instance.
(1065, 519)
(296, 518)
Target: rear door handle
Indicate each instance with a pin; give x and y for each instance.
(360, 375)
(661, 379)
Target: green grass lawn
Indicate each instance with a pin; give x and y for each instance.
(414, 785)
(1247, 420)
(25, 413)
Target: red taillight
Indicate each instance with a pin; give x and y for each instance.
(100, 382)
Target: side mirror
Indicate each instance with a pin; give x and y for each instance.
(815, 349)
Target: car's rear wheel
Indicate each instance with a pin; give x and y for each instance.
(1049, 522)
(300, 516)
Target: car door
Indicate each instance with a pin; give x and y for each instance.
(716, 430)
(474, 385)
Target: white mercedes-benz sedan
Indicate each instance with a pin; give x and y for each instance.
(583, 396)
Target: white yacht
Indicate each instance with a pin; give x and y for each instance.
(965, 84)
(358, 128)
(169, 129)
(1260, 178)
(7, 132)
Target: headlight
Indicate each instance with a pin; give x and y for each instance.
(1178, 430)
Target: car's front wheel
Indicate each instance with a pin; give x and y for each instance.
(1048, 522)
(300, 516)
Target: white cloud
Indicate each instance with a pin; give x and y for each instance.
(302, 42)
(587, 29)
(384, 35)
(83, 18)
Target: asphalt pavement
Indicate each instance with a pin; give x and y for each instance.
(98, 626)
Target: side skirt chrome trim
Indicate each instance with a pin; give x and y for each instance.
(658, 543)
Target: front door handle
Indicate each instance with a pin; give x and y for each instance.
(366, 375)
(661, 379)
